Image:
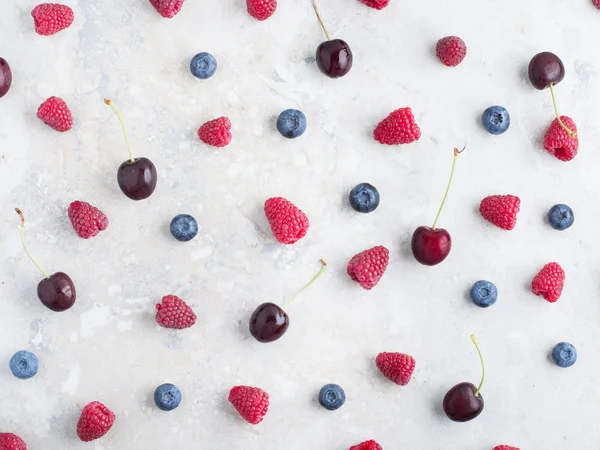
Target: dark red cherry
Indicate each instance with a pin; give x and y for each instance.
(137, 179)
(57, 292)
(429, 246)
(268, 322)
(334, 58)
(461, 404)
(545, 69)
(5, 77)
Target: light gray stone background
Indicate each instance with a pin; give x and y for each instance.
(108, 347)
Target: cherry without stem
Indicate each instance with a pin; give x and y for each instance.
(5, 77)
(334, 57)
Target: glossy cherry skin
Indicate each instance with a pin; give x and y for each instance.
(5, 77)
(334, 58)
(545, 69)
(137, 179)
(461, 404)
(57, 292)
(429, 246)
(268, 322)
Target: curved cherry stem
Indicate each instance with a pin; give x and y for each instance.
(109, 103)
(571, 133)
(324, 266)
(25, 246)
(482, 365)
(320, 19)
(456, 153)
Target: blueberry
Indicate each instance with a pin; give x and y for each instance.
(561, 217)
(495, 119)
(364, 198)
(564, 354)
(184, 227)
(24, 364)
(167, 397)
(331, 397)
(484, 293)
(291, 123)
(203, 65)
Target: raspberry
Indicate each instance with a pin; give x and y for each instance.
(367, 267)
(261, 9)
(94, 422)
(396, 367)
(252, 403)
(288, 223)
(508, 447)
(596, 3)
(172, 312)
(167, 8)
(377, 4)
(9, 441)
(549, 282)
(367, 445)
(398, 127)
(86, 219)
(216, 132)
(50, 18)
(558, 142)
(451, 50)
(55, 113)
(501, 210)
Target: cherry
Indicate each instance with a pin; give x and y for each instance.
(334, 57)
(57, 291)
(464, 401)
(269, 322)
(5, 77)
(137, 177)
(431, 245)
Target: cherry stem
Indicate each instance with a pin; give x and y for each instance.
(25, 246)
(324, 266)
(109, 103)
(320, 20)
(482, 365)
(571, 133)
(456, 153)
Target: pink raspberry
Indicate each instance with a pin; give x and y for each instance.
(50, 18)
(596, 3)
(451, 50)
(288, 223)
(396, 367)
(172, 312)
(558, 142)
(86, 219)
(167, 8)
(377, 4)
(367, 445)
(508, 447)
(549, 282)
(251, 402)
(261, 9)
(94, 422)
(55, 113)
(399, 127)
(367, 267)
(9, 441)
(216, 132)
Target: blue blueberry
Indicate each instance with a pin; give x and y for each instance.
(495, 119)
(561, 217)
(364, 198)
(332, 397)
(203, 65)
(24, 364)
(564, 354)
(167, 397)
(484, 293)
(291, 123)
(184, 227)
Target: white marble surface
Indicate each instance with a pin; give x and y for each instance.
(108, 347)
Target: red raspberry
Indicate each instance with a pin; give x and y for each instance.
(501, 210)
(288, 223)
(367, 445)
(549, 282)
(172, 312)
(167, 8)
(558, 142)
(399, 127)
(9, 441)
(94, 422)
(396, 367)
(55, 113)
(252, 403)
(50, 18)
(508, 447)
(378, 4)
(216, 132)
(451, 50)
(596, 3)
(86, 219)
(367, 267)
(261, 9)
